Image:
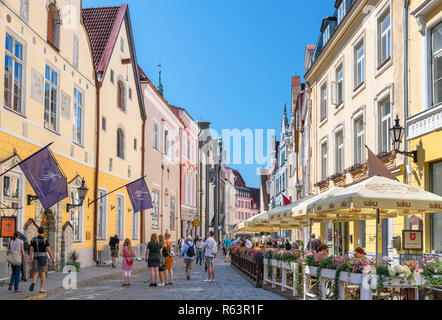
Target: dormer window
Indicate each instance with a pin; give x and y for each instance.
(326, 35)
(341, 12)
(54, 22)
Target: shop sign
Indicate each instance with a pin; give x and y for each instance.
(8, 225)
(412, 240)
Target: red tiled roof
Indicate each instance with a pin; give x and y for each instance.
(255, 194)
(102, 25)
(239, 181)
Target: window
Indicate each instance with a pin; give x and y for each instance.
(172, 213)
(11, 195)
(436, 52)
(76, 216)
(324, 161)
(102, 215)
(103, 123)
(135, 144)
(359, 140)
(120, 143)
(323, 110)
(339, 85)
(359, 65)
(156, 136)
(112, 76)
(172, 149)
(54, 21)
(155, 214)
(122, 44)
(13, 74)
(120, 216)
(436, 218)
(326, 35)
(384, 26)
(339, 152)
(121, 96)
(341, 11)
(135, 225)
(51, 95)
(188, 148)
(361, 242)
(385, 125)
(78, 116)
(166, 143)
(130, 93)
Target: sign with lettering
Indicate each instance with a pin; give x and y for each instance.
(196, 223)
(8, 226)
(412, 240)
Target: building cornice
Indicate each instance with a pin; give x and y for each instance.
(422, 11)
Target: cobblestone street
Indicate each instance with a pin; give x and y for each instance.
(229, 285)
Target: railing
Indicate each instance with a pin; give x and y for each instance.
(281, 274)
(250, 266)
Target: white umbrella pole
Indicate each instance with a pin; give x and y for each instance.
(377, 235)
(339, 234)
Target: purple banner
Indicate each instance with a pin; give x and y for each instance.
(45, 177)
(139, 195)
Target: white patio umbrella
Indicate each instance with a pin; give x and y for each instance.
(375, 196)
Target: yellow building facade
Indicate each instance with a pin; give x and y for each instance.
(425, 109)
(355, 85)
(48, 95)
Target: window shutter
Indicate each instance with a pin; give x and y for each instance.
(334, 93)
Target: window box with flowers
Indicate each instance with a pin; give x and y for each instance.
(338, 178)
(387, 158)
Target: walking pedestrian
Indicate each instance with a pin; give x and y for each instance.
(189, 254)
(24, 265)
(227, 245)
(210, 252)
(199, 245)
(169, 260)
(128, 262)
(180, 244)
(313, 244)
(287, 244)
(16, 256)
(114, 244)
(153, 257)
(38, 257)
(164, 254)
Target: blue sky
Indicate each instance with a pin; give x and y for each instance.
(229, 62)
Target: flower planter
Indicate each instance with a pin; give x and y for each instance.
(285, 265)
(349, 277)
(328, 273)
(311, 270)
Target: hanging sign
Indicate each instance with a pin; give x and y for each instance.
(196, 223)
(412, 240)
(8, 225)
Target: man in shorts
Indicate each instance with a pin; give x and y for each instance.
(114, 245)
(38, 254)
(210, 250)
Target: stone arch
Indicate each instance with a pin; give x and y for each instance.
(67, 237)
(54, 22)
(30, 229)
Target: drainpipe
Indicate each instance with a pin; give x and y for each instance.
(97, 166)
(406, 4)
(143, 141)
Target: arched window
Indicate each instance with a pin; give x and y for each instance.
(54, 22)
(120, 143)
(121, 96)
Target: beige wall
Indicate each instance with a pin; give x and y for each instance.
(157, 179)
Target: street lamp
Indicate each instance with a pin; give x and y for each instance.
(397, 133)
(82, 191)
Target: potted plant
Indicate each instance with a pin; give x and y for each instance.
(74, 260)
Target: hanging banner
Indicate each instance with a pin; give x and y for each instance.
(139, 195)
(45, 177)
(8, 225)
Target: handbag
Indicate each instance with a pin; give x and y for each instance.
(14, 258)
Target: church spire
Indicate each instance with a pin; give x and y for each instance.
(160, 85)
(285, 119)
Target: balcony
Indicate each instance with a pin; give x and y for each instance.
(425, 122)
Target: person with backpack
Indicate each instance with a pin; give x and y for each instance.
(38, 258)
(188, 253)
(210, 252)
(16, 256)
(114, 244)
(128, 261)
(168, 261)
